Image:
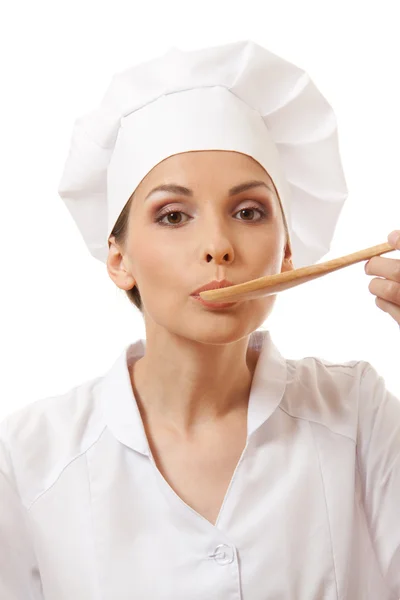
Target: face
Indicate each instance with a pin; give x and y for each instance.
(180, 240)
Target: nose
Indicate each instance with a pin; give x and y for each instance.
(219, 258)
(219, 249)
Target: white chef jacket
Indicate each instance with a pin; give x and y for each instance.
(312, 511)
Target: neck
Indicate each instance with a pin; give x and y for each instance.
(195, 383)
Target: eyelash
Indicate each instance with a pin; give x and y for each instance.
(169, 212)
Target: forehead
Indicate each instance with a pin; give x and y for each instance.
(216, 167)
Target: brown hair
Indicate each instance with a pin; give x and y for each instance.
(120, 231)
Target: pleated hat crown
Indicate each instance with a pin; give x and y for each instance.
(237, 97)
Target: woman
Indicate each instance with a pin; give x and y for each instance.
(203, 464)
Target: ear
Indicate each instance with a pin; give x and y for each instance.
(287, 264)
(118, 267)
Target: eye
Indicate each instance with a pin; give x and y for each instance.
(251, 209)
(176, 220)
(168, 214)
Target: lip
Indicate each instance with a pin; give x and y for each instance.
(213, 304)
(213, 285)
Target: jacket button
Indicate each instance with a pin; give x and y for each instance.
(223, 554)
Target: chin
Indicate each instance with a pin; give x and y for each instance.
(226, 331)
(208, 326)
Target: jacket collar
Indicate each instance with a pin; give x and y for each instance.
(121, 412)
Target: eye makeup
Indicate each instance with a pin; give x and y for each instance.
(255, 207)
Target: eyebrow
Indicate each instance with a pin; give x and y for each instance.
(184, 191)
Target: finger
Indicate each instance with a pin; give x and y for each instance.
(390, 308)
(384, 267)
(385, 289)
(394, 239)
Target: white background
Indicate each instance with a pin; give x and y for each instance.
(62, 319)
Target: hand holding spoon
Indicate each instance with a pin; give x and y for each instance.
(272, 284)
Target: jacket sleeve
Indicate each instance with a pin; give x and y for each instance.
(19, 573)
(378, 453)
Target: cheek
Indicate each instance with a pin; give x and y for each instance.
(157, 266)
(267, 255)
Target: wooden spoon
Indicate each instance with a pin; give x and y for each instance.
(272, 284)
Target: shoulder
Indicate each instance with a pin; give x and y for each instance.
(38, 441)
(325, 392)
(311, 369)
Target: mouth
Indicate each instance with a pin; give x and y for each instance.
(213, 285)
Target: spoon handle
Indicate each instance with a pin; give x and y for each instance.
(272, 284)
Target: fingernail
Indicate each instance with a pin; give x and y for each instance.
(394, 239)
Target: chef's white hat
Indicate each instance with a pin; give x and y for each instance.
(238, 97)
